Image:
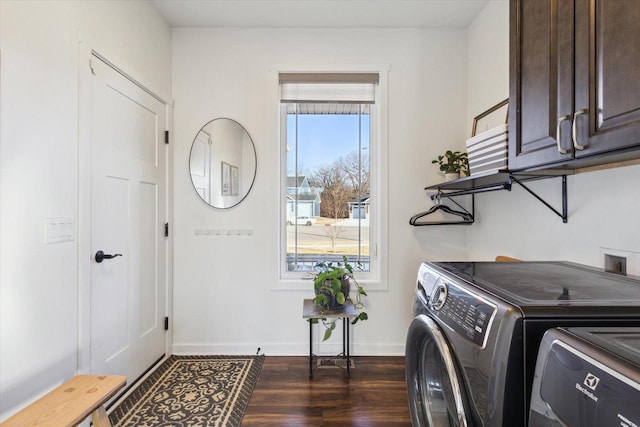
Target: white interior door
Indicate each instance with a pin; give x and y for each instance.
(128, 212)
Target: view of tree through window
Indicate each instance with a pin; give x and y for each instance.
(328, 184)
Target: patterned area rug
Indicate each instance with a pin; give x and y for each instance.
(192, 391)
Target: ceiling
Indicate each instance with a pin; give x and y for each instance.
(320, 13)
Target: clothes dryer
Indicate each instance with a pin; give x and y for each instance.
(472, 346)
(587, 377)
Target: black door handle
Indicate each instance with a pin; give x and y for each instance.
(101, 256)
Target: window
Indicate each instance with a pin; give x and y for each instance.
(329, 171)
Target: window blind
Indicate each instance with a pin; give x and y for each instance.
(353, 88)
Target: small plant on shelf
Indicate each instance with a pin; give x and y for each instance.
(332, 286)
(453, 162)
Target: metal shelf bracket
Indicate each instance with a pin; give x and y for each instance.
(564, 214)
(493, 182)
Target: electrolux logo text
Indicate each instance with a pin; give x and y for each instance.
(590, 381)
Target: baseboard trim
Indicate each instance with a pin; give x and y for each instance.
(291, 349)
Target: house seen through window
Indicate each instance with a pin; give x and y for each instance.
(326, 132)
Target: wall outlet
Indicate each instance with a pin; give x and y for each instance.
(615, 264)
(620, 261)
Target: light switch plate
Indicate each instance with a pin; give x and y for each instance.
(59, 230)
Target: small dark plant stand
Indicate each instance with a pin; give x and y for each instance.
(346, 312)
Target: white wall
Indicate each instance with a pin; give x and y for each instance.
(488, 59)
(604, 206)
(224, 296)
(39, 172)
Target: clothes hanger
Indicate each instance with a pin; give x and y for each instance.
(467, 218)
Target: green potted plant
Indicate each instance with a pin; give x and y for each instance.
(452, 163)
(332, 286)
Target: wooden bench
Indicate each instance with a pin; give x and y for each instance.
(71, 403)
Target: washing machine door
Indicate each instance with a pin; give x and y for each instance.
(433, 383)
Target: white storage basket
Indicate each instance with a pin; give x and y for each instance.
(488, 150)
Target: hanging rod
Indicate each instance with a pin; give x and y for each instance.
(476, 190)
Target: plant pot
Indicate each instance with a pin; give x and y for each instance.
(345, 288)
(450, 176)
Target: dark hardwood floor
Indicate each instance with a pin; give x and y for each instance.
(375, 395)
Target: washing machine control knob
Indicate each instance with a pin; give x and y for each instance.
(439, 297)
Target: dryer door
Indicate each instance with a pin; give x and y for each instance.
(434, 385)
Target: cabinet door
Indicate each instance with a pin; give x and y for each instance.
(541, 82)
(607, 75)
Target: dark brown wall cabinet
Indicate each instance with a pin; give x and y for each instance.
(574, 82)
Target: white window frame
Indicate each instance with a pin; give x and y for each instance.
(377, 277)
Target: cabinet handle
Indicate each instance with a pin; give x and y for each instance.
(560, 120)
(574, 129)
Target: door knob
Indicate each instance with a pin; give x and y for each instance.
(101, 256)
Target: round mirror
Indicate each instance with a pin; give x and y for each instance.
(222, 163)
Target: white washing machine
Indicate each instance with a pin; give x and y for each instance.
(587, 377)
